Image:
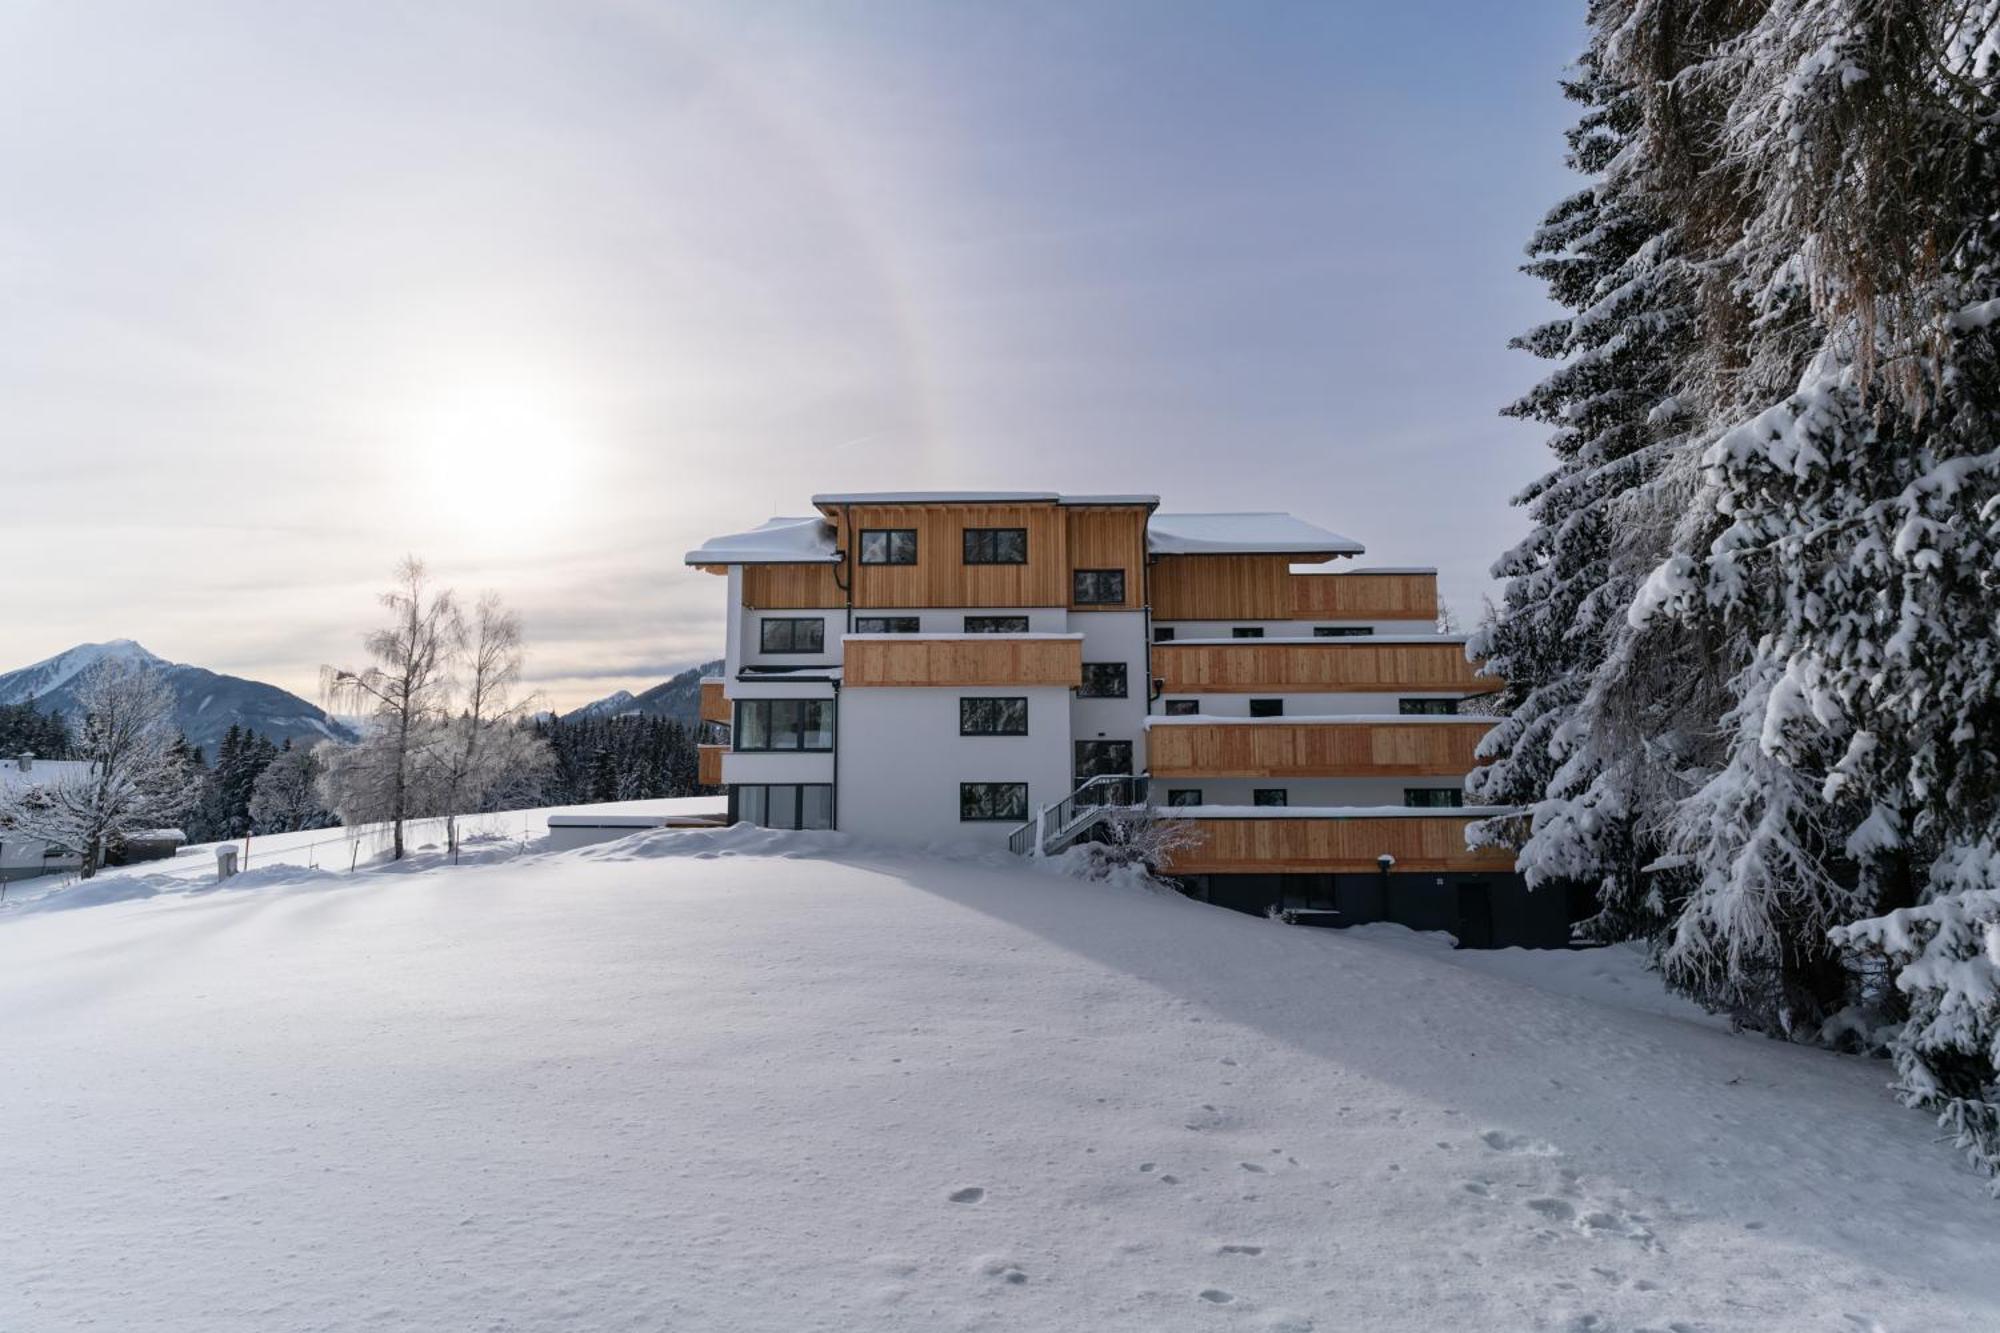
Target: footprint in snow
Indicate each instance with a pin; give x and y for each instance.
(1215, 1296)
(1554, 1209)
(970, 1194)
(1251, 1250)
(1499, 1140)
(1253, 1168)
(1006, 1270)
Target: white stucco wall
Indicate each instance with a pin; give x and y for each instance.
(834, 624)
(1114, 636)
(902, 760)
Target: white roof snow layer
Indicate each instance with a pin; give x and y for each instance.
(1244, 534)
(776, 541)
(975, 497)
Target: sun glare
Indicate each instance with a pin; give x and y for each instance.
(501, 458)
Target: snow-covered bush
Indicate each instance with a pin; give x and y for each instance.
(1132, 842)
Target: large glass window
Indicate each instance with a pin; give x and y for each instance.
(1006, 716)
(1183, 707)
(885, 624)
(996, 624)
(1427, 707)
(1098, 758)
(996, 546)
(888, 546)
(993, 800)
(803, 805)
(1340, 631)
(1269, 796)
(784, 724)
(1098, 587)
(1102, 680)
(1267, 708)
(1433, 798)
(785, 634)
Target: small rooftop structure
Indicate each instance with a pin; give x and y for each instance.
(1266, 533)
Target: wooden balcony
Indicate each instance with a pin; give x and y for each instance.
(1321, 666)
(714, 702)
(1393, 595)
(1313, 749)
(1021, 660)
(1304, 844)
(708, 760)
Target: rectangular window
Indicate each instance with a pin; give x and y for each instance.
(1268, 796)
(885, 624)
(1163, 634)
(1096, 759)
(981, 801)
(1267, 708)
(1098, 587)
(993, 717)
(1427, 707)
(996, 546)
(783, 805)
(784, 724)
(786, 635)
(1433, 798)
(1247, 632)
(996, 624)
(1102, 680)
(1340, 631)
(1183, 796)
(888, 546)
(1183, 707)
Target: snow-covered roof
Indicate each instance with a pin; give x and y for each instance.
(42, 772)
(776, 541)
(974, 497)
(1269, 533)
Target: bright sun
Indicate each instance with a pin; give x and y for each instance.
(501, 457)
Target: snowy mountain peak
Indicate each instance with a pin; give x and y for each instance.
(52, 673)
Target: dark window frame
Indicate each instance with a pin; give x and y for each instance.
(1261, 796)
(798, 728)
(1082, 579)
(1163, 633)
(1178, 796)
(915, 624)
(1267, 708)
(765, 625)
(889, 552)
(970, 538)
(1010, 816)
(1342, 631)
(1022, 620)
(1182, 707)
(1455, 801)
(1247, 632)
(1427, 707)
(799, 790)
(1124, 675)
(965, 730)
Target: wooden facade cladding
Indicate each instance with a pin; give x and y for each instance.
(792, 587)
(1314, 749)
(1221, 587)
(941, 577)
(981, 659)
(1305, 845)
(1324, 666)
(1107, 537)
(714, 702)
(708, 764)
(1364, 597)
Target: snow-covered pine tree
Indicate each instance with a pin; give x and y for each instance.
(1610, 255)
(1848, 517)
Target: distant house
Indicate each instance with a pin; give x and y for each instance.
(21, 858)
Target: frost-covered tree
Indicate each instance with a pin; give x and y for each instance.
(1573, 749)
(484, 747)
(134, 777)
(389, 775)
(285, 798)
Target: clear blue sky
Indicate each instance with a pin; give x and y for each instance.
(549, 292)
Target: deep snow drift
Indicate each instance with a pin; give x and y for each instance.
(739, 1080)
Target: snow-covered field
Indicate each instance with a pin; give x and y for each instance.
(737, 1080)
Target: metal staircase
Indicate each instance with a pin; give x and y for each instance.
(1069, 820)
